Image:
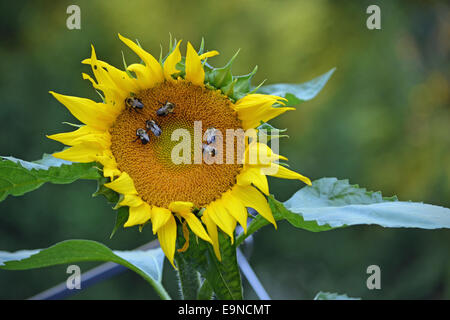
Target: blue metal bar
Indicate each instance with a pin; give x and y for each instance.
(93, 276)
(251, 277)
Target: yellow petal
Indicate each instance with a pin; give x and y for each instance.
(110, 171)
(261, 113)
(184, 209)
(109, 163)
(131, 200)
(171, 62)
(95, 115)
(143, 77)
(254, 176)
(123, 184)
(194, 68)
(115, 84)
(101, 75)
(236, 209)
(221, 217)
(257, 100)
(138, 215)
(254, 108)
(260, 154)
(96, 140)
(154, 68)
(104, 82)
(196, 226)
(113, 96)
(213, 234)
(160, 217)
(114, 76)
(68, 137)
(251, 119)
(180, 206)
(208, 54)
(167, 235)
(282, 172)
(79, 153)
(92, 81)
(186, 237)
(250, 197)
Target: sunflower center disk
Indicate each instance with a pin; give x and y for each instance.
(159, 179)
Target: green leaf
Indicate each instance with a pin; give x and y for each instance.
(257, 223)
(18, 177)
(281, 213)
(206, 291)
(297, 93)
(337, 203)
(331, 203)
(223, 276)
(148, 264)
(333, 296)
(188, 278)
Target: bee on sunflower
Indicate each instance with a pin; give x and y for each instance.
(131, 132)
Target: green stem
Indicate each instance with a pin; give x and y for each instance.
(161, 291)
(188, 279)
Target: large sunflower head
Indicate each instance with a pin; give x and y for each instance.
(162, 135)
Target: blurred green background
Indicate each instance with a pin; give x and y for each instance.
(382, 121)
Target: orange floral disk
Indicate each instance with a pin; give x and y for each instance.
(151, 166)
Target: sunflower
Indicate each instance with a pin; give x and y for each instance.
(160, 97)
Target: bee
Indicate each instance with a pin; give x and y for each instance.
(165, 109)
(209, 150)
(134, 103)
(153, 127)
(142, 134)
(210, 135)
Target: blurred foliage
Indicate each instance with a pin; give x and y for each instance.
(382, 121)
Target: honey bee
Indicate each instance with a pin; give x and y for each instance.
(209, 150)
(153, 127)
(142, 134)
(165, 109)
(134, 103)
(210, 135)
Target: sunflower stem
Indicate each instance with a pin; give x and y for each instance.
(188, 279)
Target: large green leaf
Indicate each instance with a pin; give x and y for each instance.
(281, 213)
(337, 203)
(297, 93)
(18, 177)
(223, 276)
(205, 292)
(331, 203)
(148, 264)
(333, 296)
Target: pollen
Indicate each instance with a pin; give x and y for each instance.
(158, 180)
